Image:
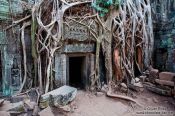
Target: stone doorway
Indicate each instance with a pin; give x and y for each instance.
(76, 72)
(74, 69)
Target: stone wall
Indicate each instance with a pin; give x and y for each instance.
(10, 59)
(163, 14)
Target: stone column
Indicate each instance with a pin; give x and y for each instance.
(60, 69)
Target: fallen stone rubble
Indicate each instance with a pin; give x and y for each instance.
(162, 83)
(32, 104)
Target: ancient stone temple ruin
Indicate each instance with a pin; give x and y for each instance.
(80, 57)
(76, 58)
(88, 45)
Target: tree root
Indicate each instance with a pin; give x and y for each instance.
(24, 54)
(110, 94)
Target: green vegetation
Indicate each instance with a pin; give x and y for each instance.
(103, 6)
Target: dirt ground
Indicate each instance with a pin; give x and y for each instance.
(88, 104)
(92, 104)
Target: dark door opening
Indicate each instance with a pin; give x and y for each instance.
(0, 72)
(76, 68)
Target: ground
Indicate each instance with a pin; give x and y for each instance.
(93, 104)
(88, 104)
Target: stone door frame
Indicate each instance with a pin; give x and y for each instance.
(62, 68)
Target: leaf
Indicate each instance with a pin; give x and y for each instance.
(97, 7)
(109, 2)
(102, 6)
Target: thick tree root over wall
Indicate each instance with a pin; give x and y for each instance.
(125, 35)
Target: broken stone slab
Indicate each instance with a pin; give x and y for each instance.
(17, 107)
(154, 74)
(165, 82)
(46, 112)
(154, 71)
(158, 90)
(169, 76)
(58, 97)
(136, 87)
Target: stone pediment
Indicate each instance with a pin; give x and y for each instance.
(75, 31)
(80, 24)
